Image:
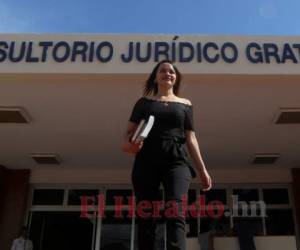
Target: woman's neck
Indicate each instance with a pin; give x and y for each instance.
(165, 93)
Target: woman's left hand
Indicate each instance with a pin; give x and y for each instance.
(205, 180)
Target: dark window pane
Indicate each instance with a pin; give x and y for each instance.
(280, 222)
(276, 196)
(222, 226)
(246, 194)
(243, 226)
(248, 209)
(113, 195)
(48, 197)
(217, 225)
(191, 196)
(60, 231)
(117, 217)
(210, 227)
(215, 195)
(191, 227)
(116, 232)
(74, 197)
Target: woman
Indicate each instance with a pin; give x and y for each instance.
(162, 157)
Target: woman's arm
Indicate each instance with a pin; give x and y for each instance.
(193, 148)
(128, 146)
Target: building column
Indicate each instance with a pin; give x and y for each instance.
(14, 188)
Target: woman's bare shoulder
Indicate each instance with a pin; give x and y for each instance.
(185, 101)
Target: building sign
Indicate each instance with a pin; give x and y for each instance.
(183, 52)
(131, 54)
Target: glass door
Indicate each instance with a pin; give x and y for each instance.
(61, 231)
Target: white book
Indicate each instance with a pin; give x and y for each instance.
(143, 129)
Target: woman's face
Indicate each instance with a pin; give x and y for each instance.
(166, 75)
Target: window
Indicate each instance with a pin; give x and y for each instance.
(280, 222)
(215, 195)
(191, 196)
(219, 225)
(262, 211)
(116, 232)
(60, 231)
(246, 195)
(276, 196)
(248, 225)
(123, 194)
(74, 196)
(48, 197)
(191, 227)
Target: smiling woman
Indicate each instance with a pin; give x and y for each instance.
(162, 156)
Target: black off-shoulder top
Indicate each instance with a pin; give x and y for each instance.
(167, 136)
(168, 115)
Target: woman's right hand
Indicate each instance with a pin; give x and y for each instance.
(132, 147)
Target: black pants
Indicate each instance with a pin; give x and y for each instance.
(146, 179)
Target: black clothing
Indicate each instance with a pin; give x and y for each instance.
(245, 231)
(146, 181)
(168, 115)
(162, 159)
(166, 139)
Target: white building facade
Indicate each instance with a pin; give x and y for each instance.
(64, 104)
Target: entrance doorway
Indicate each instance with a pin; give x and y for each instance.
(61, 231)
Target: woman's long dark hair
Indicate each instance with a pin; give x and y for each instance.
(151, 86)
